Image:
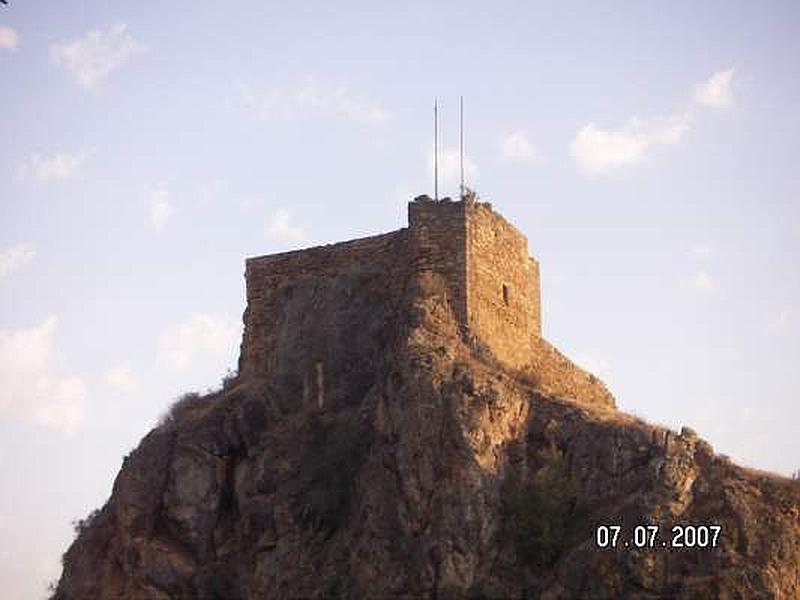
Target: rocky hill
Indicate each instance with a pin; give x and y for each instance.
(430, 470)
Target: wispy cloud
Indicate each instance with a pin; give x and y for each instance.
(96, 55)
(9, 39)
(14, 258)
(198, 336)
(600, 149)
(780, 322)
(450, 169)
(122, 379)
(281, 227)
(34, 385)
(515, 147)
(160, 208)
(61, 165)
(703, 282)
(310, 98)
(716, 91)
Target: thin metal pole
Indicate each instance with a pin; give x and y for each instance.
(461, 141)
(435, 149)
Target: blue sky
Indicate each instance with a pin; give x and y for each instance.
(649, 152)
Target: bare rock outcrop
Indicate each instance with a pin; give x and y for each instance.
(429, 471)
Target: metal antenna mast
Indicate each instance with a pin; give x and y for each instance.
(435, 149)
(461, 141)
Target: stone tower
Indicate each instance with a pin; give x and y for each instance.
(493, 283)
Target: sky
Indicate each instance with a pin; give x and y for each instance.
(647, 150)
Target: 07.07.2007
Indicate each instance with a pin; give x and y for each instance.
(649, 536)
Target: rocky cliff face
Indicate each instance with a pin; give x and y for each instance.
(428, 471)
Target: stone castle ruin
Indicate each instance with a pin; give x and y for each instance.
(400, 429)
(316, 319)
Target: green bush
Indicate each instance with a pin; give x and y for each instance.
(229, 380)
(184, 404)
(80, 525)
(545, 512)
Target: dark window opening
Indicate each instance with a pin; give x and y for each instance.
(505, 294)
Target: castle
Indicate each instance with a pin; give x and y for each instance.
(316, 315)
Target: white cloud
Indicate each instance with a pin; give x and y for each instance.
(716, 91)
(61, 165)
(122, 379)
(450, 170)
(14, 258)
(703, 282)
(160, 208)
(515, 147)
(34, 386)
(598, 150)
(9, 40)
(64, 408)
(779, 323)
(310, 98)
(280, 227)
(96, 55)
(200, 335)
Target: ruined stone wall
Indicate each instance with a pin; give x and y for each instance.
(308, 310)
(437, 242)
(502, 286)
(559, 376)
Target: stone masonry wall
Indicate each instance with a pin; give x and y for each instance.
(502, 286)
(286, 293)
(492, 283)
(559, 376)
(437, 239)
